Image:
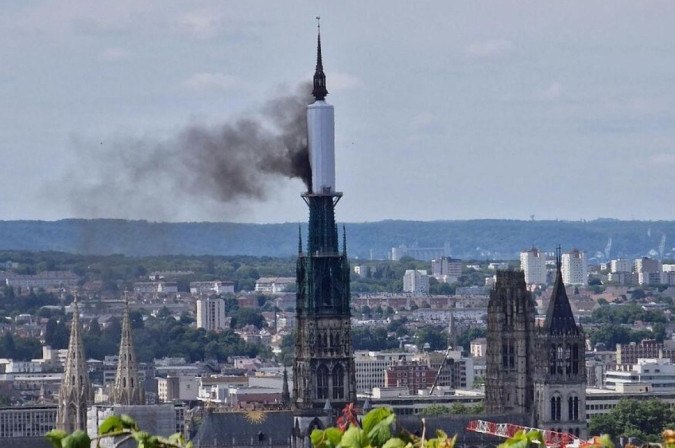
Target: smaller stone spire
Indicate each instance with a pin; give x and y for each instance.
(285, 394)
(559, 316)
(127, 389)
(71, 413)
(319, 90)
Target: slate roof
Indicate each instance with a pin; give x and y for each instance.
(244, 429)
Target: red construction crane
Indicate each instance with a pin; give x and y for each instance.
(553, 439)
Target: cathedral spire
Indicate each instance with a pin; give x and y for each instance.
(74, 392)
(127, 389)
(559, 316)
(285, 392)
(319, 90)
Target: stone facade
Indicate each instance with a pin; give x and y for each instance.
(510, 346)
(75, 389)
(538, 372)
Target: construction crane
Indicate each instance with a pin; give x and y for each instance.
(440, 368)
(552, 439)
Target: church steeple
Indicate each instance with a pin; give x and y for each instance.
(72, 408)
(127, 389)
(285, 392)
(319, 90)
(559, 316)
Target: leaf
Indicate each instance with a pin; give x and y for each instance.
(110, 424)
(381, 432)
(128, 422)
(78, 439)
(333, 436)
(317, 438)
(394, 443)
(55, 436)
(354, 437)
(374, 417)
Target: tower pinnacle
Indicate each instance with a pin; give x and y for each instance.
(319, 90)
(127, 389)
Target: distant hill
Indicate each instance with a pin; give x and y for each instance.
(472, 239)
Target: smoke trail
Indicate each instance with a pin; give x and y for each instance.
(230, 164)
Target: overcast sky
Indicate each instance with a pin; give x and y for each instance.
(444, 110)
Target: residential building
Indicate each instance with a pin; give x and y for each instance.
(533, 264)
(26, 422)
(574, 268)
(478, 347)
(628, 354)
(45, 279)
(215, 287)
(413, 375)
(621, 265)
(446, 269)
(370, 368)
(654, 375)
(211, 314)
(273, 285)
(416, 281)
(648, 271)
(171, 388)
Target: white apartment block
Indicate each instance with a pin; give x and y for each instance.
(533, 264)
(621, 265)
(370, 367)
(416, 281)
(273, 285)
(183, 388)
(216, 287)
(653, 375)
(211, 314)
(574, 268)
(648, 271)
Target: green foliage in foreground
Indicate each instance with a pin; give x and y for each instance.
(374, 430)
(120, 428)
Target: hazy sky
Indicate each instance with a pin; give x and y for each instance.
(444, 110)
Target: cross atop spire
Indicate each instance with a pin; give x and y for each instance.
(319, 90)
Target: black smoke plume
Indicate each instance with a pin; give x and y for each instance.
(230, 164)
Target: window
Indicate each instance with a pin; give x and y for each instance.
(338, 382)
(322, 382)
(555, 409)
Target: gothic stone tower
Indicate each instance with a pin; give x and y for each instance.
(510, 346)
(560, 374)
(323, 372)
(71, 413)
(127, 389)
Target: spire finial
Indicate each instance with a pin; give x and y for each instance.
(319, 90)
(558, 257)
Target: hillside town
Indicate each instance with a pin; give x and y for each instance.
(420, 346)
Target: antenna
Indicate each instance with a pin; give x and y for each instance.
(318, 23)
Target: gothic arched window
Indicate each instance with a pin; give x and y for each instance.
(322, 382)
(338, 382)
(575, 359)
(555, 409)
